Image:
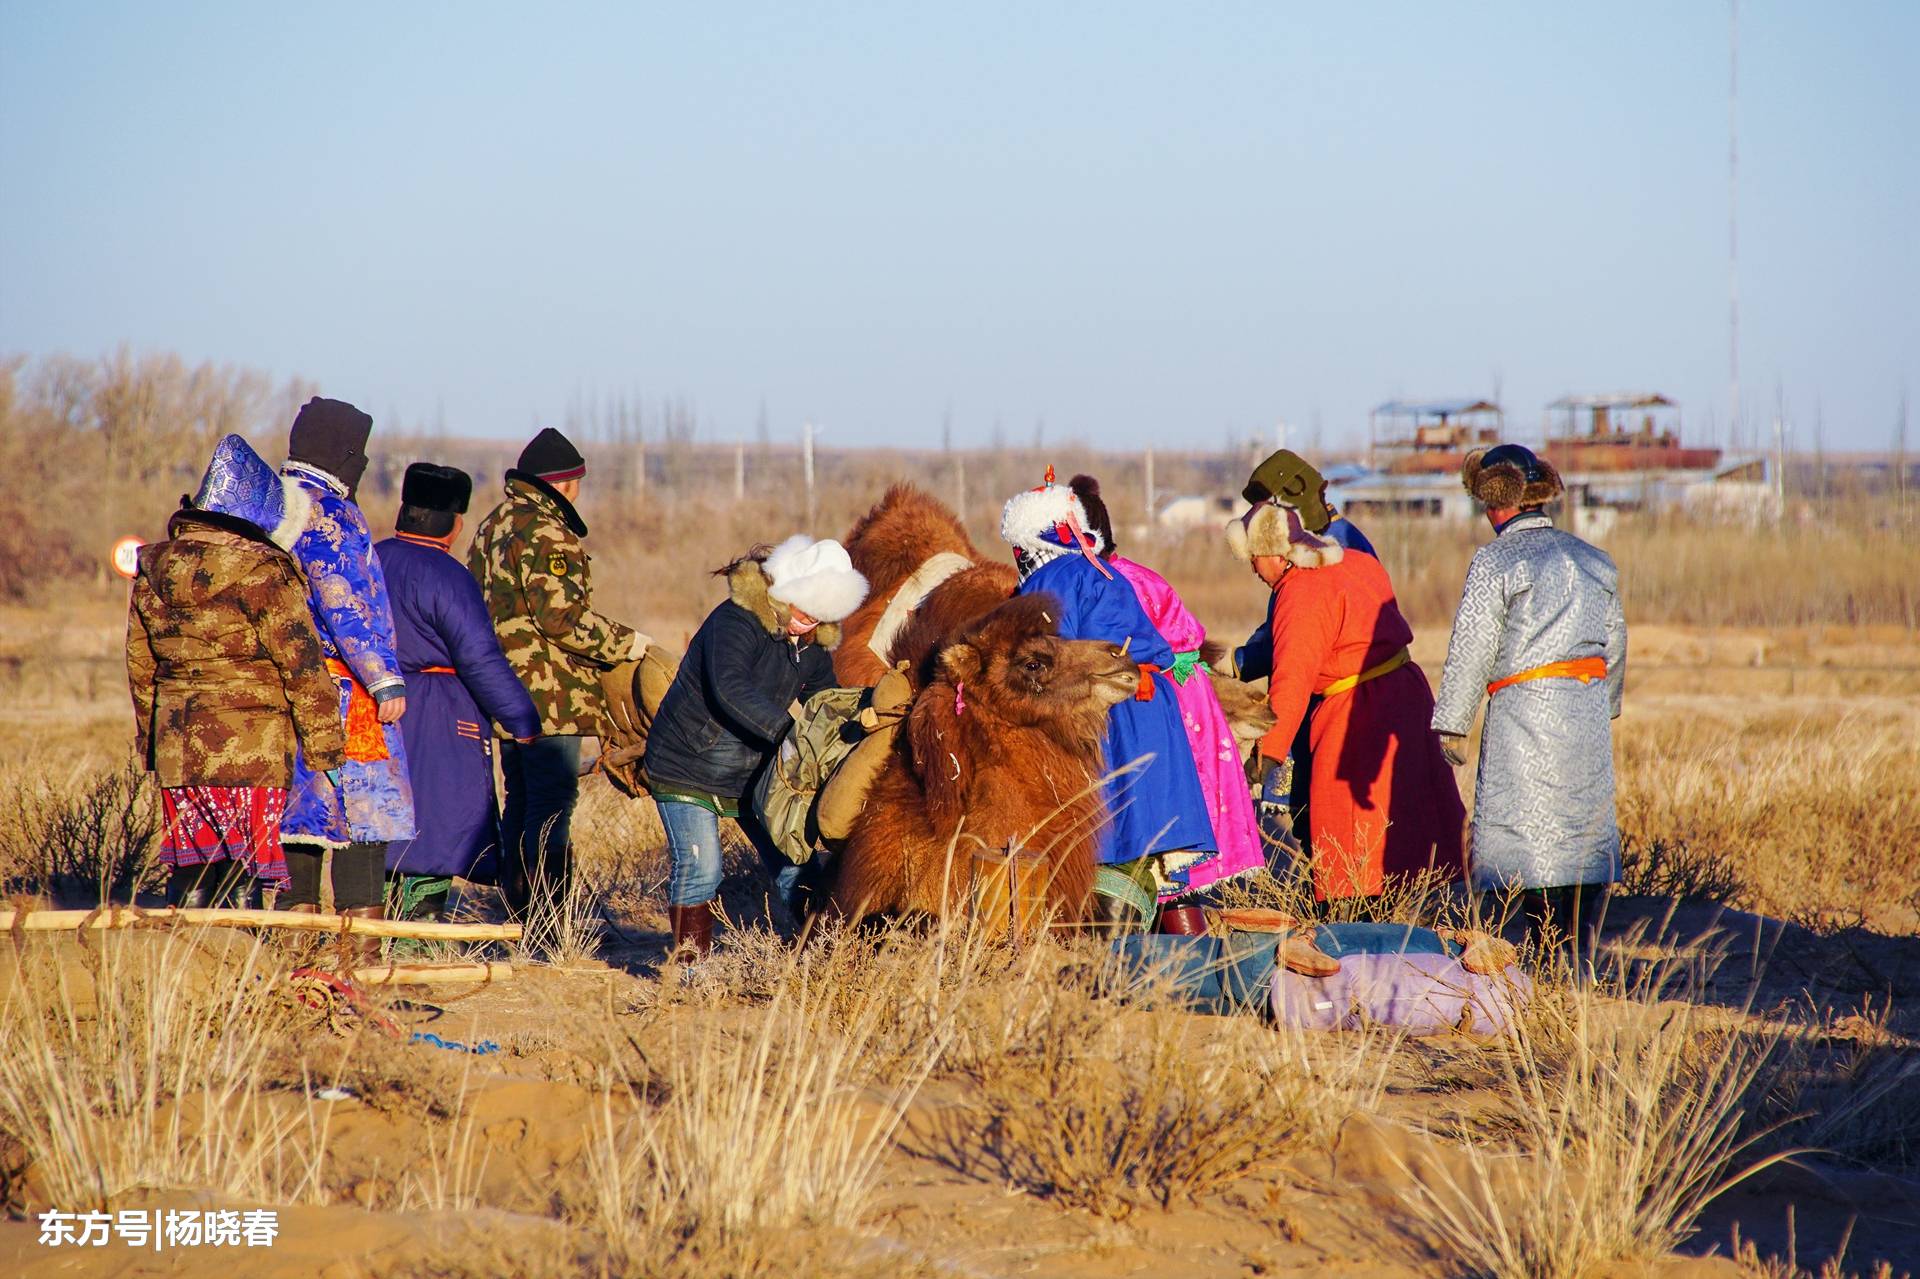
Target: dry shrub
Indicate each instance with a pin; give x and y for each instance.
(147, 1067)
(88, 837)
(1629, 1117)
(1106, 1108)
(775, 1130)
(1663, 868)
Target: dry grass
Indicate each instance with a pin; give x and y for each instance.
(1106, 1110)
(1812, 813)
(1628, 1118)
(146, 1066)
(765, 1132)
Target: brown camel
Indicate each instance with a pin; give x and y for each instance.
(1002, 749)
(925, 580)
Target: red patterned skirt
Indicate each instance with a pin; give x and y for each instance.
(225, 823)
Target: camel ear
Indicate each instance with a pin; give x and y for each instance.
(960, 662)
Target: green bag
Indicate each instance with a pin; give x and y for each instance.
(823, 734)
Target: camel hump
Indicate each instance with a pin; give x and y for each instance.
(905, 528)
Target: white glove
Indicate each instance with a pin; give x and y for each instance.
(641, 643)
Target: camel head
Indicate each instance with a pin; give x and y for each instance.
(1013, 665)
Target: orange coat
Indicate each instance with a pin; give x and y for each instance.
(1382, 798)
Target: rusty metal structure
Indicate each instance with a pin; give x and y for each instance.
(1430, 437)
(1620, 431)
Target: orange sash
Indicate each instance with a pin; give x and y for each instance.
(366, 739)
(1584, 669)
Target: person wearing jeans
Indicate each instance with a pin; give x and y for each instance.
(692, 823)
(759, 654)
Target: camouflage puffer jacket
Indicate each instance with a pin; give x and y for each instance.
(528, 559)
(223, 661)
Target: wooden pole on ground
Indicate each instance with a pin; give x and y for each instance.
(46, 921)
(433, 974)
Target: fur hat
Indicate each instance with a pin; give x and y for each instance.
(1099, 523)
(1041, 521)
(436, 488)
(1510, 475)
(1272, 528)
(818, 578)
(1292, 481)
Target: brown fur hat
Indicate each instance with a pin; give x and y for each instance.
(1510, 475)
(1271, 528)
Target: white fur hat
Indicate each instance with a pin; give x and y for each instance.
(818, 578)
(1033, 521)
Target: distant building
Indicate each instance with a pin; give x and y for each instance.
(1616, 452)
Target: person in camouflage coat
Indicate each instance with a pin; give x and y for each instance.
(228, 685)
(535, 575)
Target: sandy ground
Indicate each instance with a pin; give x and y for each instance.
(1328, 1213)
(1324, 1213)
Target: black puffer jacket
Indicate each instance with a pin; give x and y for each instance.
(727, 708)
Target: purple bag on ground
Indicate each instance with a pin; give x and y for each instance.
(1399, 976)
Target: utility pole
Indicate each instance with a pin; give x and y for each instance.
(1151, 497)
(1733, 223)
(806, 459)
(739, 472)
(1779, 451)
(1900, 456)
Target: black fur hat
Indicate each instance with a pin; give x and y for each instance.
(436, 488)
(1099, 519)
(1510, 475)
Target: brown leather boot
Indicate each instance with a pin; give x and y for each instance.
(1182, 921)
(692, 930)
(366, 950)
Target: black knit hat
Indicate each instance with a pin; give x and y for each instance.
(552, 457)
(436, 488)
(332, 436)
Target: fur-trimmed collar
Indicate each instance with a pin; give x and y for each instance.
(747, 586)
(319, 475)
(543, 491)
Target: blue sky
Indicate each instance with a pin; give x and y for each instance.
(1132, 222)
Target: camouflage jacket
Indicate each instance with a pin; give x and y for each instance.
(530, 565)
(225, 667)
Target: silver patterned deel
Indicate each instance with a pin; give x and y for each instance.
(1543, 808)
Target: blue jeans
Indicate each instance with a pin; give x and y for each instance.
(693, 847)
(543, 781)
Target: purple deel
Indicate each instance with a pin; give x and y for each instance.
(440, 619)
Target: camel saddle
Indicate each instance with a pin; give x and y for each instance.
(633, 692)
